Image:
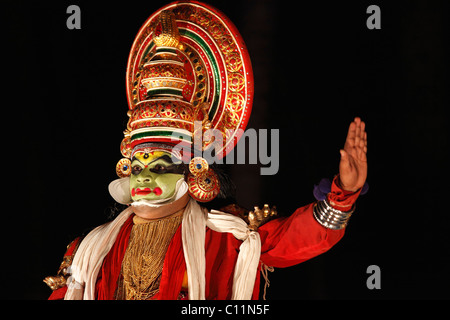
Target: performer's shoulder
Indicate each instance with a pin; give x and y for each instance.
(235, 210)
(254, 218)
(73, 246)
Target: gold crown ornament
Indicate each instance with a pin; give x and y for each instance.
(188, 64)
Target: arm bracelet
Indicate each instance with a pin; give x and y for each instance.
(330, 217)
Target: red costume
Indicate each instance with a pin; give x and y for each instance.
(189, 74)
(285, 242)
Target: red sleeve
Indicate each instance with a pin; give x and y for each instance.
(341, 199)
(291, 240)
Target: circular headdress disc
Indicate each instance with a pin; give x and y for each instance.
(216, 61)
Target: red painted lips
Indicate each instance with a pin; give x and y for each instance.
(145, 191)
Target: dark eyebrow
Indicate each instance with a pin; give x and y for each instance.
(134, 159)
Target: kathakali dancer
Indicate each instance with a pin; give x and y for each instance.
(189, 75)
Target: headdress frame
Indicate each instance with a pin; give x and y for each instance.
(218, 68)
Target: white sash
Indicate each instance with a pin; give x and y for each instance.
(96, 245)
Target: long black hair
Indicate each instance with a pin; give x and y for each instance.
(227, 193)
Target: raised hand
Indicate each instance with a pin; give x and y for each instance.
(353, 164)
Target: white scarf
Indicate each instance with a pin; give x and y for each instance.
(96, 245)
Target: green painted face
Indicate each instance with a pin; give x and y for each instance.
(154, 176)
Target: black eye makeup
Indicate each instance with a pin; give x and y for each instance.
(135, 170)
(161, 168)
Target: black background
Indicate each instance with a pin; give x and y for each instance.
(316, 66)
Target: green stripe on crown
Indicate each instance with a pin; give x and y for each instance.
(173, 134)
(166, 49)
(148, 49)
(212, 58)
(165, 91)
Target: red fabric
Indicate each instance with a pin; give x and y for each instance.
(112, 264)
(72, 246)
(284, 242)
(291, 240)
(173, 270)
(58, 294)
(341, 199)
(221, 254)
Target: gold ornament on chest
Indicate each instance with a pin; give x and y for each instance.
(144, 258)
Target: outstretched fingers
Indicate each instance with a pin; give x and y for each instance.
(365, 142)
(356, 142)
(353, 163)
(351, 134)
(362, 145)
(357, 132)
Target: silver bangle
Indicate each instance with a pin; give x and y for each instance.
(330, 217)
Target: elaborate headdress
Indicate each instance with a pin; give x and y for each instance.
(188, 71)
